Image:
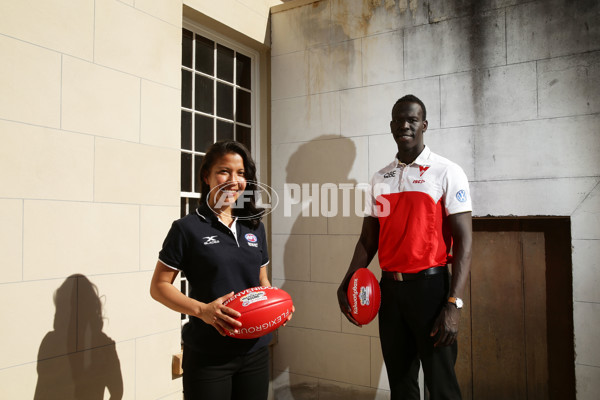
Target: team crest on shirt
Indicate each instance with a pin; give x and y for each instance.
(251, 239)
(422, 169)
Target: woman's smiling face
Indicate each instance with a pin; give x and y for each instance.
(226, 180)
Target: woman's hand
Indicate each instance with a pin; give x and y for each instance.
(221, 317)
(289, 318)
(214, 313)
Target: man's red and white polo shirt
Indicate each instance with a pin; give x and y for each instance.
(412, 203)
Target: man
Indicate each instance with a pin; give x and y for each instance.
(418, 210)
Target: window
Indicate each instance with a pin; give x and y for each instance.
(217, 102)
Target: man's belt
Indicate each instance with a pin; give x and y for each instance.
(400, 276)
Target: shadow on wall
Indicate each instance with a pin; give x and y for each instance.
(308, 367)
(68, 367)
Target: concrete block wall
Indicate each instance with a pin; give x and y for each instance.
(89, 185)
(512, 94)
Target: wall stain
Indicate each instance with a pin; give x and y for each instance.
(334, 30)
(477, 42)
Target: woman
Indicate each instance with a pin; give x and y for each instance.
(222, 249)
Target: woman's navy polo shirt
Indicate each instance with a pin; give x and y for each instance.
(215, 262)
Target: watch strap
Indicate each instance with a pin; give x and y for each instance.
(456, 301)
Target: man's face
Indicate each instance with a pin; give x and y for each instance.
(407, 127)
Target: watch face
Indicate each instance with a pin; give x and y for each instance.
(459, 303)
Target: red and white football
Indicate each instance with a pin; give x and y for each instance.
(364, 296)
(263, 310)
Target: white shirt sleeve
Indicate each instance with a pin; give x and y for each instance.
(457, 196)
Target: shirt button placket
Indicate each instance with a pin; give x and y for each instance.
(235, 238)
(401, 184)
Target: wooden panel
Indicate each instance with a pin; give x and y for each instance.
(499, 366)
(536, 344)
(546, 268)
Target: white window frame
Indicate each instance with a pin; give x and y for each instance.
(255, 84)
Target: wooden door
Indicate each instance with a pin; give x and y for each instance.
(503, 338)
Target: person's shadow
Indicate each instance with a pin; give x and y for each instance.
(66, 368)
(314, 251)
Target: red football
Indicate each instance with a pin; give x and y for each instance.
(263, 310)
(364, 296)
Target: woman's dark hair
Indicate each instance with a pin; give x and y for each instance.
(249, 213)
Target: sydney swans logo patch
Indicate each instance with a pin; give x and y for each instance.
(422, 169)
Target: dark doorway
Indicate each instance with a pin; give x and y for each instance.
(516, 338)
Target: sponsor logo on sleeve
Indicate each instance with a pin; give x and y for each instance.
(461, 196)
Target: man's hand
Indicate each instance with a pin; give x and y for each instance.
(446, 326)
(365, 250)
(343, 302)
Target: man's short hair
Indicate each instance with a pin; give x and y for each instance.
(409, 98)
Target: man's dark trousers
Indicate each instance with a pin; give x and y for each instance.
(406, 317)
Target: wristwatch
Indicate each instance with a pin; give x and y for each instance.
(457, 301)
